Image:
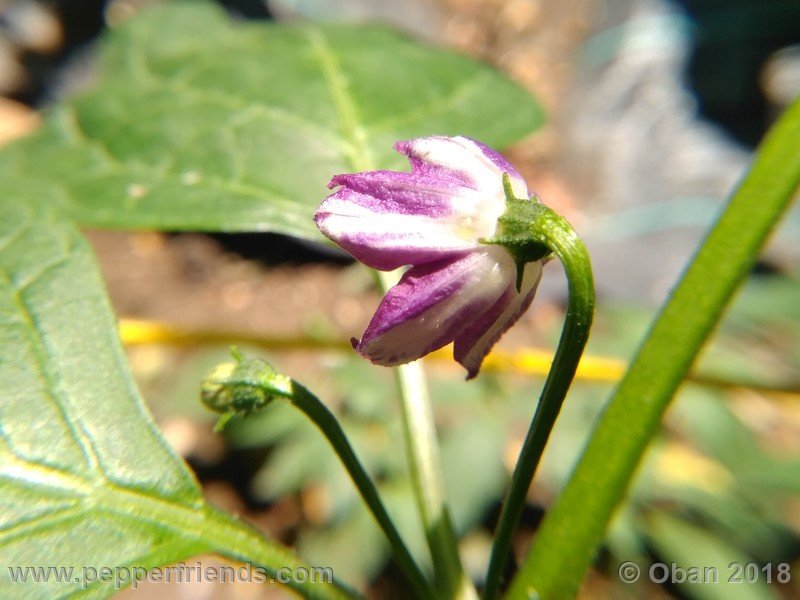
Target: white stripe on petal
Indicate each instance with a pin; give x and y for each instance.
(467, 158)
(472, 347)
(472, 284)
(387, 241)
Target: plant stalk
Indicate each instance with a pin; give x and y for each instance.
(427, 478)
(554, 232)
(327, 423)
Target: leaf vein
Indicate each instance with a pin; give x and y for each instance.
(13, 236)
(40, 523)
(438, 105)
(359, 155)
(189, 88)
(116, 165)
(53, 390)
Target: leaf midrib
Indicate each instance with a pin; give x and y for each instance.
(360, 157)
(104, 495)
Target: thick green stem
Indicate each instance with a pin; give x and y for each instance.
(553, 231)
(427, 479)
(329, 425)
(575, 525)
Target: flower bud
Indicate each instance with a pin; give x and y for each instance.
(243, 386)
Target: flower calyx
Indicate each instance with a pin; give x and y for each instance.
(518, 230)
(242, 387)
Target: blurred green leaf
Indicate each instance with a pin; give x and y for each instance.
(333, 545)
(769, 299)
(677, 541)
(775, 476)
(740, 523)
(472, 456)
(200, 123)
(705, 418)
(298, 461)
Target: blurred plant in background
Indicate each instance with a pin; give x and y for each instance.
(627, 156)
(720, 482)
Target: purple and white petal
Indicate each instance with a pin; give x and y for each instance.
(434, 218)
(432, 195)
(434, 303)
(387, 240)
(474, 342)
(467, 159)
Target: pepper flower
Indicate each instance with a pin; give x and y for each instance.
(437, 220)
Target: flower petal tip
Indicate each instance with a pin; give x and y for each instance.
(472, 374)
(401, 146)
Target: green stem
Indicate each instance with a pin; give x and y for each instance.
(554, 232)
(248, 385)
(575, 525)
(427, 478)
(319, 414)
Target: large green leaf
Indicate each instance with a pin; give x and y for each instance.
(86, 481)
(78, 469)
(197, 122)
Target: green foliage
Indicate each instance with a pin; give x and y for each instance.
(199, 123)
(687, 546)
(707, 468)
(194, 123)
(472, 445)
(84, 481)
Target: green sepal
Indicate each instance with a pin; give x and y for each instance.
(517, 230)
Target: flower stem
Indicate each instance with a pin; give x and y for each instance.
(319, 414)
(553, 231)
(427, 478)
